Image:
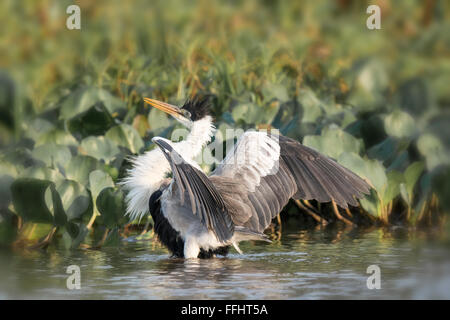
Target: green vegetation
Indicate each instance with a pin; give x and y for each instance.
(72, 111)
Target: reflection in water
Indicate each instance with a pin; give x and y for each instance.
(328, 262)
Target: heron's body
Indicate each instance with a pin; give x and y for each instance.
(198, 216)
(167, 229)
(150, 169)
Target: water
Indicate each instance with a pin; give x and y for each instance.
(314, 264)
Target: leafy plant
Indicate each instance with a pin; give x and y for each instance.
(71, 108)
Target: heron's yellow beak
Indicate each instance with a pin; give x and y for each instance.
(167, 108)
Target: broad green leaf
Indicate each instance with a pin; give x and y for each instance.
(52, 155)
(371, 83)
(433, 150)
(384, 150)
(140, 123)
(100, 148)
(310, 104)
(425, 183)
(158, 120)
(289, 126)
(405, 195)
(56, 136)
(28, 197)
(126, 136)
(83, 98)
(19, 157)
(37, 127)
(371, 203)
(42, 173)
(275, 91)
(344, 118)
(413, 96)
(251, 113)
(375, 173)
(438, 125)
(113, 171)
(56, 207)
(371, 170)
(72, 229)
(227, 118)
(79, 168)
(110, 204)
(412, 175)
(388, 149)
(75, 198)
(65, 240)
(95, 121)
(268, 113)
(5, 191)
(400, 162)
(36, 230)
(373, 76)
(392, 190)
(82, 233)
(333, 141)
(371, 129)
(99, 180)
(9, 169)
(240, 112)
(399, 124)
(354, 162)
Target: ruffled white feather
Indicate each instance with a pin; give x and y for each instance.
(150, 169)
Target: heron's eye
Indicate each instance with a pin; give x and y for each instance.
(186, 113)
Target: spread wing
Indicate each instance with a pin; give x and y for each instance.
(319, 177)
(205, 200)
(264, 171)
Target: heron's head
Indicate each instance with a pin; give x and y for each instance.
(192, 110)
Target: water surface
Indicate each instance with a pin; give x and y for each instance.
(314, 264)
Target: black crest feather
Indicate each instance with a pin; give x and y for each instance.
(197, 107)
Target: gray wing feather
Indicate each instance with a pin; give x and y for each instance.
(319, 177)
(302, 173)
(205, 200)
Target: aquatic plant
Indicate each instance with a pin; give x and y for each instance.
(72, 111)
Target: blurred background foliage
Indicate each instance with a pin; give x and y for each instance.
(71, 101)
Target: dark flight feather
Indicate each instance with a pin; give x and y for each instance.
(303, 173)
(206, 201)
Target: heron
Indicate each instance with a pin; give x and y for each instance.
(200, 216)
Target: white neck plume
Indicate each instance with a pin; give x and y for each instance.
(150, 169)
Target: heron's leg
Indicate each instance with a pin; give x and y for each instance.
(191, 248)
